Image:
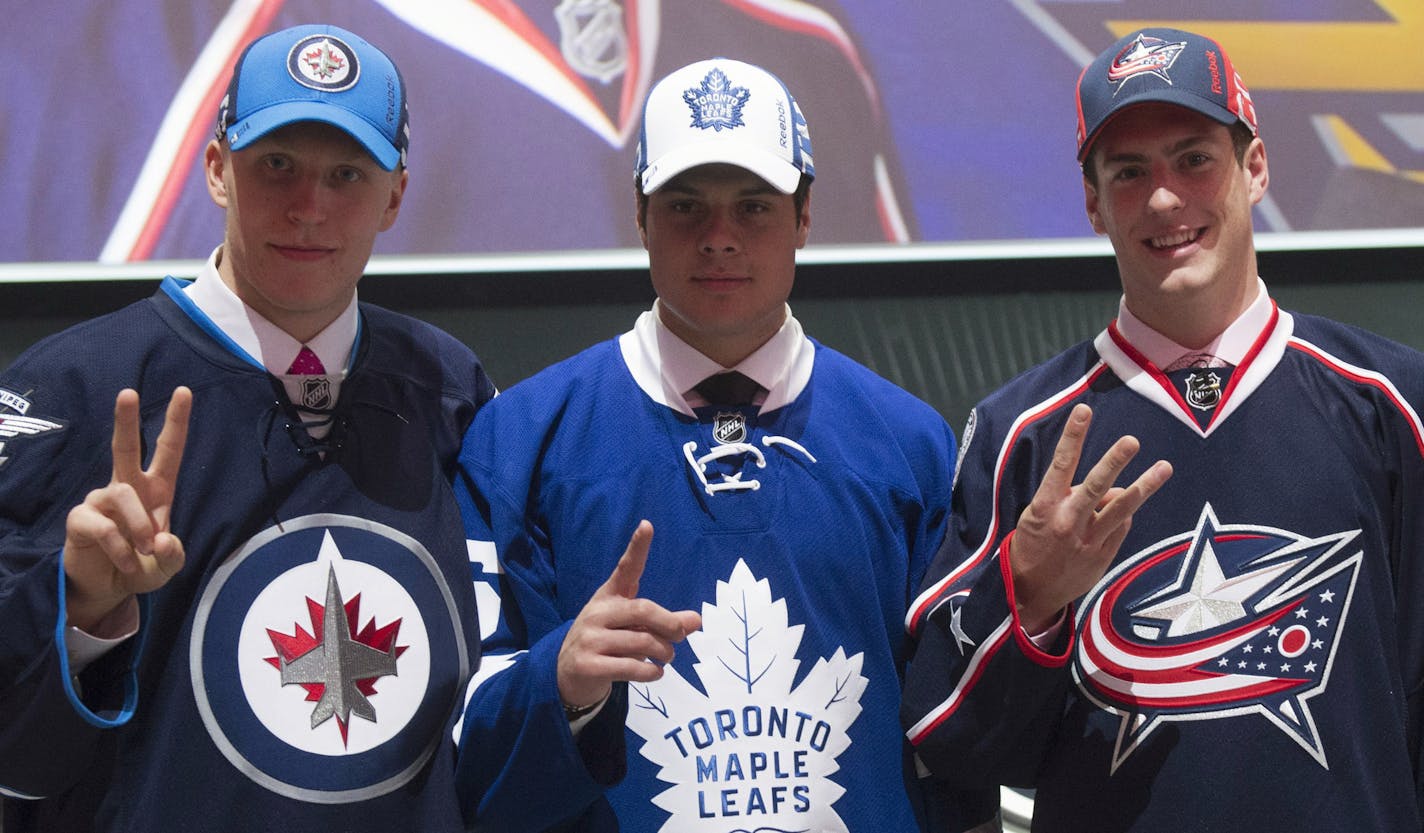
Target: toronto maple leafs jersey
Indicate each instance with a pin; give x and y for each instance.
(303, 669)
(1253, 658)
(798, 532)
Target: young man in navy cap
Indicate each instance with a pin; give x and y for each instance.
(274, 634)
(1244, 651)
(795, 516)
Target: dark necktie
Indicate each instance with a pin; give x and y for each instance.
(732, 389)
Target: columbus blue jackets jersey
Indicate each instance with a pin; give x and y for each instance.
(302, 671)
(798, 532)
(1253, 658)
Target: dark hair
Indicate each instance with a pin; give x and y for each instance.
(1241, 137)
(798, 198)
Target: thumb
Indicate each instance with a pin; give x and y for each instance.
(628, 572)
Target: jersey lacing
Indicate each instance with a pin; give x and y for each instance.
(733, 481)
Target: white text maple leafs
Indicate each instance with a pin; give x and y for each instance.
(753, 743)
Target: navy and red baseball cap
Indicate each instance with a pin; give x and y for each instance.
(1164, 65)
(318, 73)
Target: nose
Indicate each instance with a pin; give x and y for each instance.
(719, 235)
(1165, 196)
(306, 201)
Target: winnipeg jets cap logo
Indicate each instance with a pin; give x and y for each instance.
(324, 63)
(325, 658)
(716, 103)
(1146, 54)
(1225, 622)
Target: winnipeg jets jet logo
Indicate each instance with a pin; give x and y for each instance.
(340, 670)
(326, 656)
(1220, 622)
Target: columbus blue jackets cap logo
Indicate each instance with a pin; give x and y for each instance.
(1146, 54)
(324, 63)
(1222, 622)
(326, 656)
(716, 104)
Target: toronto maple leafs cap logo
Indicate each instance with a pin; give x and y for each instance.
(726, 111)
(1163, 65)
(317, 73)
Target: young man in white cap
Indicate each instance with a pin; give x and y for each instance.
(795, 516)
(275, 634)
(1245, 650)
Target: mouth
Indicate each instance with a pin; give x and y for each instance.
(1175, 241)
(304, 253)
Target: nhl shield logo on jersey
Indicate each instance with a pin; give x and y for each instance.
(316, 392)
(326, 656)
(729, 427)
(758, 750)
(1221, 622)
(1203, 390)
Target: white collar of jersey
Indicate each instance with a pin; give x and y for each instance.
(261, 338)
(1250, 372)
(665, 366)
(1231, 346)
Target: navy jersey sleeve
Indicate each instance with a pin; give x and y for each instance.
(514, 738)
(980, 696)
(53, 450)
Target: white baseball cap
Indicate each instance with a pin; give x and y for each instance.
(721, 110)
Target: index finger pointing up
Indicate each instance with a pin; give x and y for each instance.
(1058, 480)
(628, 572)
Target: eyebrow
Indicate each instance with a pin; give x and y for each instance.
(1175, 148)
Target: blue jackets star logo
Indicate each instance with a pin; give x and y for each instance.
(716, 103)
(1217, 623)
(1149, 55)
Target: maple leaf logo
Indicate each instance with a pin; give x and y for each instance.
(338, 670)
(752, 747)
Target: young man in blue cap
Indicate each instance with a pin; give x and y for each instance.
(795, 516)
(1243, 651)
(274, 634)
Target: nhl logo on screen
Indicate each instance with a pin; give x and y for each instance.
(729, 427)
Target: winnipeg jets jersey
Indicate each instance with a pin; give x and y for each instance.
(302, 671)
(1253, 658)
(798, 531)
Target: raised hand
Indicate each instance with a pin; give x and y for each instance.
(117, 542)
(1068, 535)
(616, 634)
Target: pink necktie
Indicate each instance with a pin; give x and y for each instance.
(306, 364)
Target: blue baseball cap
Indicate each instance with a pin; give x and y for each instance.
(1163, 65)
(318, 73)
(728, 111)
